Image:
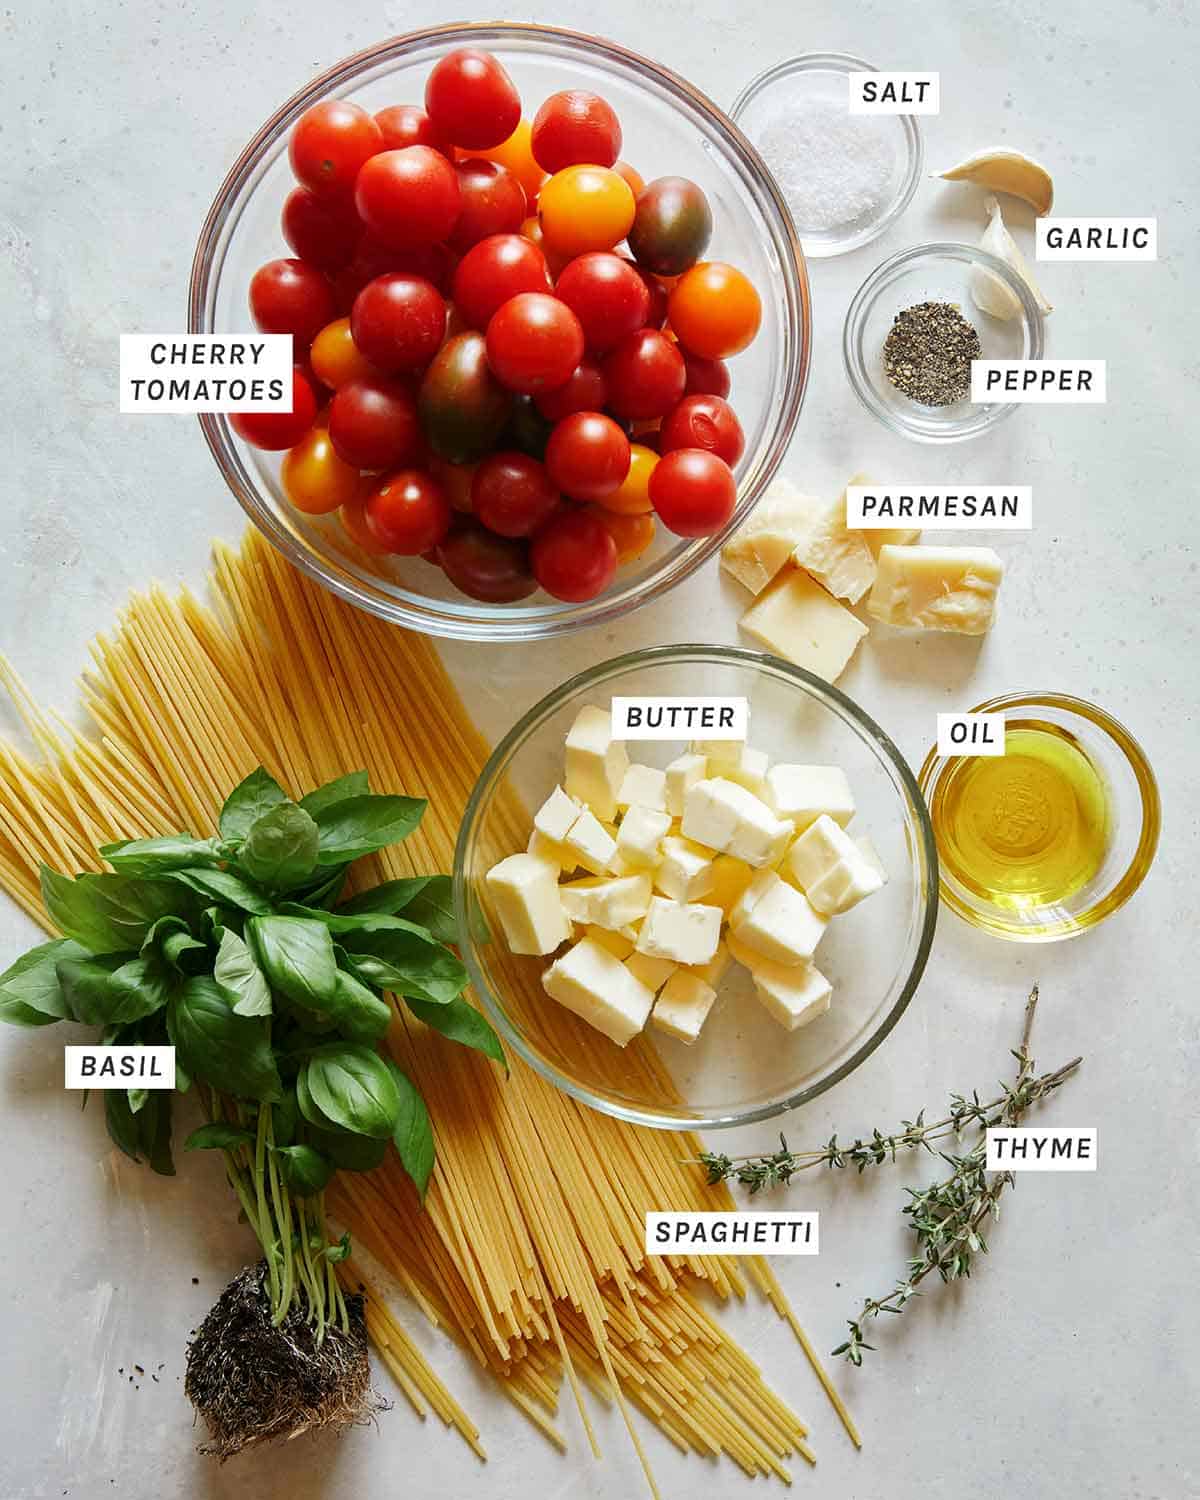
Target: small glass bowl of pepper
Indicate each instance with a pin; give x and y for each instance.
(908, 353)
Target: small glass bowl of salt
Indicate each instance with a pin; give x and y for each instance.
(844, 177)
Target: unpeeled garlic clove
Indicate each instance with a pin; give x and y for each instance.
(989, 293)
(1006, 172)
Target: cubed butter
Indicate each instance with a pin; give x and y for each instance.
(640, 837)
(730, 878)
(716, 968)
(556, 854)
(524, 891)
(686, 871)
(600, 990)
(777, 920)
(803, 793)
(611, 904)
(750, 771)
(724, 816)
(595, 762)
(643, 786)
(591, 843)
(686, 932)
(683, 1006)
(793, 994)
(761, 547)
(937, 588)
(652, 972)
(797, 619)
(830, 869)
(619, 944)
(682, 775)
(556, 815)
(719, 753)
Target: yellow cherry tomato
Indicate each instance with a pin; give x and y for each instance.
(632, 497)
(314, 478)
(585, 208)
(730, 878)
(335, 357)
(517, 155)
(632, 533)
(714, 310)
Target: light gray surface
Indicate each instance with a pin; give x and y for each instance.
(1068, 1366)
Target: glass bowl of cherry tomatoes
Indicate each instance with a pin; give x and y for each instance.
(550, 322)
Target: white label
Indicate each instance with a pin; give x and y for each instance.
(1031, 1148)
(120, 1067)
(680, 718)
(967, 507)
(1078, 380)
(1097, 239)
(193, 372)
(895, 93)
(970, 734)
(732, 1233)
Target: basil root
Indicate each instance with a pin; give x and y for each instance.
(233, 949)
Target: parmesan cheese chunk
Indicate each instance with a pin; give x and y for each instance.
(798, 620)
(835, 554)
(600, 990)
(758, 550)
(937, 588)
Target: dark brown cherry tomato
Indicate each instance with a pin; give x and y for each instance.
(534, 342)
(574, 556)
(322, 231)
(644, 375)
(703, 422)
(575, 126)
(693, 492)
(671, 227)
(408, 197)
(398, 322)
(512, 494)
(463, 406)
(290, 296)
(527, 430)
(607, 295)
(497, 268)
(587, 456)
(471, 100)
(705, 377)
(485, 566)
(584, 390)
(276, 430)
(329, 144)
(373, 424)
(409, 125)
(492, 202)
(408, 513)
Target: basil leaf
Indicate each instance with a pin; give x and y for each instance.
(171, 940)
(390, 897)
(107, 913)
(121, 1124)
(304, 1102)
(341, 790)
(305, 1170)
(357, 1011)
(230, 1052)
(224, 886)
(406, 959)
(351, 1086)
(152, 856)
(30, 994)
(154, 1132)
(413, 1134)
(280, 850)
(283, 1119)
(296, 955)
(113, 989)
(237, 973)
(136, 1097)
(433, 909)
(349, 1153)
(247, 803)
(325, 892)
(461, 1022)
(219, 1136)
(360, 825)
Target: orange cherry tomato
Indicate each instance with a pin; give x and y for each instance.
(532, 231)
(631, 175)
(585, 208)
(314, 478)
(632, 496)
(354, 522)
(714, 310)
(517, 155)
(632, 534)
(336, 358)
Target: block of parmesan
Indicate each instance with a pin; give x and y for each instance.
(758, 550)
(884, 536)
(798, 620)
(832, 552)
(937, 588)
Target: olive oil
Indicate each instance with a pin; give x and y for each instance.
(1027, 828)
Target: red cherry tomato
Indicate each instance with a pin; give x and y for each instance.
(290, 296)
(534, 342)
(329, 144)
(275, 430)
(353, 516)
(573, 556)
(512, 494)
(322, 231)
(703, 422)
(607, 295)
(574, 127)
(657, 314)
(471, 100)
(497, 268)
(398, 322)
(485, 566)
(583, 391)
(644, 374)
(693, 492)
(373, 424)
(587, 456)
(455, 479)
(705, 377)
(408, 197)
(492, 202)
(408, 513)
(434, 262)
(408, 125)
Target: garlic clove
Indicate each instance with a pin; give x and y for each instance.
(1006, 172)
(988, 292)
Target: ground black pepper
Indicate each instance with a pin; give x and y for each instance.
(928, 352)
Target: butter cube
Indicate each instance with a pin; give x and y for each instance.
(730, 878)
(750, 771)
(715, 969)
(556, 854)
(685, 932)
(832, 552)
(652, 972)
(595, 762)
(803, 793)
(600, 990)
(524, 890)
(554, 819)
(937, 588)
(719, 754)
(797, 619)
(686, 871)
(866, 847)
(683, 1006)
(682, 775)
(830, 869)
(760, 548)
(640, 836)
(792, 995)
(591, 843)
(619, 944)
(643, 786)
(724, 816)
(776, 920)
(611, 904)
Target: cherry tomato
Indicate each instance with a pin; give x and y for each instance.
(373, 424)
(531, 230)
(633, 534)
(588, 456)
(527, 430)
(314, 478)
(492, 202)
(463, 406)
(408, 197)
(398, 322)
(705, 377)
(471, 100)
(485, 566)
(534, 342)
(408, 125)
(494, 270)
(631, 175)
(574, 127)
(632, 495)
(714, 310)
(353, 516)
(573, 556)
(585, 208)
(656, 316)
(408, 513)
(693, 492)
(512, 494)
(290, 296)
(583, 391)
(517, 155)
(703, 422)
(322, 231)
(607, 295)
(644, 375)
(455, 480)
(329, 144)
(672, 226)
(336, 358)
(274, 430)
(434, 262)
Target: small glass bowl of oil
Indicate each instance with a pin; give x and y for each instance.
(1048, 839)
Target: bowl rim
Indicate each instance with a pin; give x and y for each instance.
(812, 686)
(885, 272)
(474, 620)
(847, 62)
(986, 917)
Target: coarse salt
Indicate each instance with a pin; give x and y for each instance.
(835, 169)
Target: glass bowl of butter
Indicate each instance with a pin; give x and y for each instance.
(707, 926)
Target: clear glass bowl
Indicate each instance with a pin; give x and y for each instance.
(744, 1067)
(934, 273)
(669, 127)
(819, 77)
(1133, 809)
